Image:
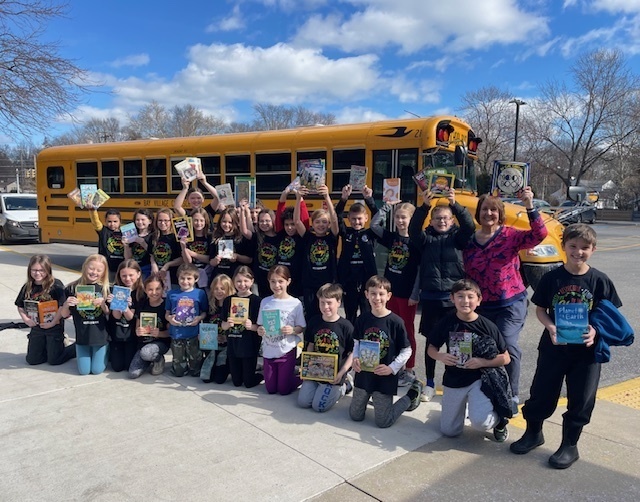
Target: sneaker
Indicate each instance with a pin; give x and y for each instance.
(157, 367)
(66, 341)
(349, 384)
(427, 394)
(406, 378)
(514, 407)
(500, 431)
(416, 386)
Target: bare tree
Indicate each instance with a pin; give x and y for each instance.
(272, 117)
(36, 83)
(189, 121)
(150, 122)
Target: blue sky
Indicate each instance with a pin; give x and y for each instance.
(359, 59)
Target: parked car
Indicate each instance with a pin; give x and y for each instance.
(539, 204)
(18, 217)
(576, 212)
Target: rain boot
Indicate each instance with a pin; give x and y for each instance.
(532, 438)
(567, 454)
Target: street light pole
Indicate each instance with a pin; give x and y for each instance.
(518, 103)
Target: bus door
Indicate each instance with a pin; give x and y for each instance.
(55, 209)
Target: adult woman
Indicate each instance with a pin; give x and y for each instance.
(491, 259)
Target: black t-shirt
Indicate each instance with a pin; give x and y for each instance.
(454, 376)
(215, 317)
(111, 247)
(331, 338)
(91, 325)
(402, 263)
(242, 342)
(159, 310)
(241, 247)
(199, 245)
(290, 254)
(164, 250)
(390, 332)
(266, 256)
(36, 294)
(140, 254)
(121, 330)
(319, 266)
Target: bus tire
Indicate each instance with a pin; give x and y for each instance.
(533, 273)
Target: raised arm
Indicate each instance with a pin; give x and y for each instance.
(296, 215)
(95, 219)
(379, 220)
(177, 204)
(333, 218)
(367, 194)
(246, 224)
(346, 192)
(211, 189)
(416, 225)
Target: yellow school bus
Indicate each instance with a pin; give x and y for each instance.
(141, 174)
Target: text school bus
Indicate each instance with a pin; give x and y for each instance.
(141, 174)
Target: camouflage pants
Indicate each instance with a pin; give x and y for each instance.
(187, 358)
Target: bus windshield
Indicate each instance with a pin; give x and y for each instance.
(442, 161)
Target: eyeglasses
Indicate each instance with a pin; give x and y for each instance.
(442, 218)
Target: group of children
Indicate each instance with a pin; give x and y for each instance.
(295, 270)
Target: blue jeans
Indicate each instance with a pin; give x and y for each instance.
(91, 358)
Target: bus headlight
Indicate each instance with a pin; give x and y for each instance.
(543, 250)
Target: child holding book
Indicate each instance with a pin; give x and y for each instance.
(152, 334)
(197, 251)
(139, 248)
(384, 334)
(243, 341)
(229, 249)
(185, 308)
(264, 241)
(109, 238)
(328, 333)
(216, 366)
(282, 333)
(195, 197)
(120, 326)
(475, 348)
(166, 253)
(576, 284)
(357, 260)
(86, 302)
(46, 338)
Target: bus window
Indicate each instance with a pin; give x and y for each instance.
(156, 175)
(408, 166)
(211, 168)
(87, 173)
(273, 172)
(110, 176)
(342, 162)
(55, 177)
(236, 165)
(132, 170)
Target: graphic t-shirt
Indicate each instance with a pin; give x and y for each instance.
(111, 247)
(290, 255)
(266, 256)
(185, 306)
(164, 250)
(199, 245)
(91, 325)
(36, 294)
(331, 338)
(242, 342)
(121, 330)
(140, 254)
(159, 310)
(241, 246)
(319, 259)
(402, 263)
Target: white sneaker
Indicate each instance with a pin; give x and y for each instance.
(427, 394)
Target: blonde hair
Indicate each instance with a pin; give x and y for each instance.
(406, 206)
(102, 281)
(227, 284)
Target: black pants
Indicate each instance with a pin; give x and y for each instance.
(48, 348)
(243, 371)
(577, 364)
(352, 299)
(310, 303)
(432, 312)
(213, 369)
(121, 353)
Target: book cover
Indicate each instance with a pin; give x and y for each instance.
(189, 168)
(369, 354)
(391, 190)
(87, 192)
(358, 178)
(225, 248)
(129, 232)
(421, 180)
(312, 173)
(31, 309)
(318, 366)
(183, 228)
(239, 310)
(572, 321)
(225, 194)
(509, 177)
(149, 321)
(47, 311)
(460, 345)
(294, 185)
(185, 311)
(440, 183)
(120, 298)
(271, 322)
(99, 198)
(85, 296)
(76, 197)
(245, 189)
(208, 336)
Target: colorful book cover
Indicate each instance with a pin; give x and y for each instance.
(85, 295)
(47, 311)
(358, 178)
(225, 194)
(149, 321)
(318, 366)
(239, 310)
(572, 321)
(294, 185)
(120, 298)
(208, 336)
(439, 184)
(185, 311)
(509, 177)
(129, 232)
(312, 173)
(225, 248)
(99, 198)
(369, 354)
(183, 228)
(421, 180)
(76, 197)
(245, 189)
(189, 168)
(87, 192)
(31, 309)
(271, 322)
(391, 190)
(460, 345)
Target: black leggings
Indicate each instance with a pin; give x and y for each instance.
(432, 312)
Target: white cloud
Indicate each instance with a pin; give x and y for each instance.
(617, 6)
(133, 60)
(84, 113)
(414, 91)
(234, 21)
(356, 115)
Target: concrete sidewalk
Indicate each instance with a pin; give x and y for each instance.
(108, 438)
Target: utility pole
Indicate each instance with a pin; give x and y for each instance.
(518, 103)
(17, 180)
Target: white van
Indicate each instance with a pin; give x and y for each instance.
(18, 217)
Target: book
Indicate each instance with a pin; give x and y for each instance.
(369, 354)
(183, 227)
(421, 180)
(149, 321)
(271, 322)
(75, 196)
(312, 173)
(225, 248)
(318, 366)
(47, 311)
(85, 295)
(358, 178)
(225, 194)
(189, 168)
(87, 192)
(239, 310)
(391, 190)
(99, 198)
(31, 309)
(460, 345)
(572, 321)
(245, 189)
(120, 298)
(129, 232)
(185, 311)
(294, 186)
(439, 184)
(509, 177)
(208, 336)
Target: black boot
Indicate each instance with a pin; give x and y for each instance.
(532, 438)
(567, 454)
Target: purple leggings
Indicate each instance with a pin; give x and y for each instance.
(279, 374)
